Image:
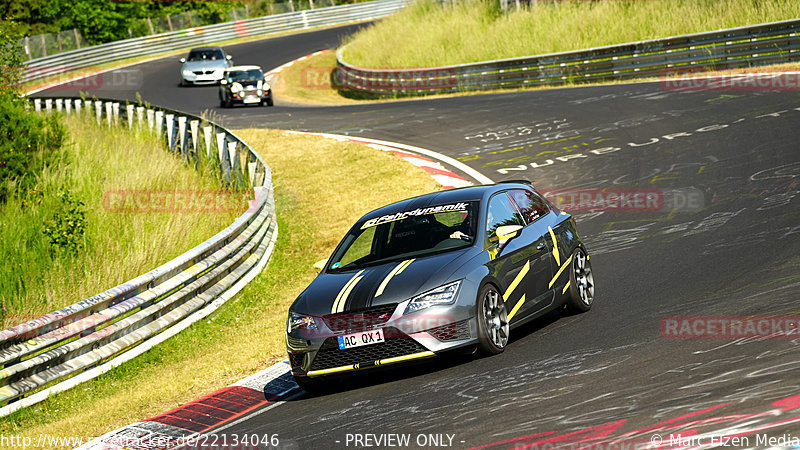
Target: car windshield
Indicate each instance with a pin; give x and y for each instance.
(240, 76)
(205, 55)
(407, 234)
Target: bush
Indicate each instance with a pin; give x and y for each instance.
(28, 143)
(66, 229)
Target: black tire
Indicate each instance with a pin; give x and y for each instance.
(269, 102)
(492, 321)
(581, 283)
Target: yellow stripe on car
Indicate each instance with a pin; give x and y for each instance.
(316, 373)
(404, 265)
(555, 246)
(517, 280)
(516, 307)
(341, 299)
(404, 358)
(396, 271)
(566, 263)
(566, 286)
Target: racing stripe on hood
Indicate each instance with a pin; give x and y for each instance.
(341, 299)
(396, 271)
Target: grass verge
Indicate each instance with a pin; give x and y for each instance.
(309, 82)
(446, 33)
(110, 245)
(321, 187)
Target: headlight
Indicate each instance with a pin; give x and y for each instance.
(300, 322)
(442, 295)
(259, 92)
(188, 73)
(236, 87)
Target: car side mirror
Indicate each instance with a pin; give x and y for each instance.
(505, 233)
(229, 57)
(223, 81)
(319, 265)
(182, 60)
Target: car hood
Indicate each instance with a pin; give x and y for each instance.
(354, 290)
(205, 65)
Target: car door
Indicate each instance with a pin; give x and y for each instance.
(522, 264)
(536, 234)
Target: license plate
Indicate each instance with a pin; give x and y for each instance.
(359, 339)
(252, 100)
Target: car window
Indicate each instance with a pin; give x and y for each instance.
(360, 248)
(407, 234)
(205, 55)
(245, 75)
(501, 211)
(530, 204)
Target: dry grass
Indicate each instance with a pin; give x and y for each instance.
(309, 81)
(322, 187)
(430, 33)
(118, 245)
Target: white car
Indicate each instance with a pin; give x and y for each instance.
(204, 65)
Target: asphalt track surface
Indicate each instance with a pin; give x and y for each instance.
(616, 374)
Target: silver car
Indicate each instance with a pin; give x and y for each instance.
(204, 65)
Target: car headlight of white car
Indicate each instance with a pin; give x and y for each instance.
(188, 73)
(235, 88)
(442, 295)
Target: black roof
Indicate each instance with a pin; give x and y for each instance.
(465, 194)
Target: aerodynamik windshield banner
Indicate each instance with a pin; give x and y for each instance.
(416, 212)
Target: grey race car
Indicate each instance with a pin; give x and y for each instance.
(445, 271)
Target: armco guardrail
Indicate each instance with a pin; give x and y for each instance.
(54, 352)
(762, 44)
(184, 39)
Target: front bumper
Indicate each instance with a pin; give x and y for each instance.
(203, 77)
(251, 97)
(418, 335)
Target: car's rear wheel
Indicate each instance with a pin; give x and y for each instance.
(492, 321)
(581, 283)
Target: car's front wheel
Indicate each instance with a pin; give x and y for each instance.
(492, 321)
(581, 283)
